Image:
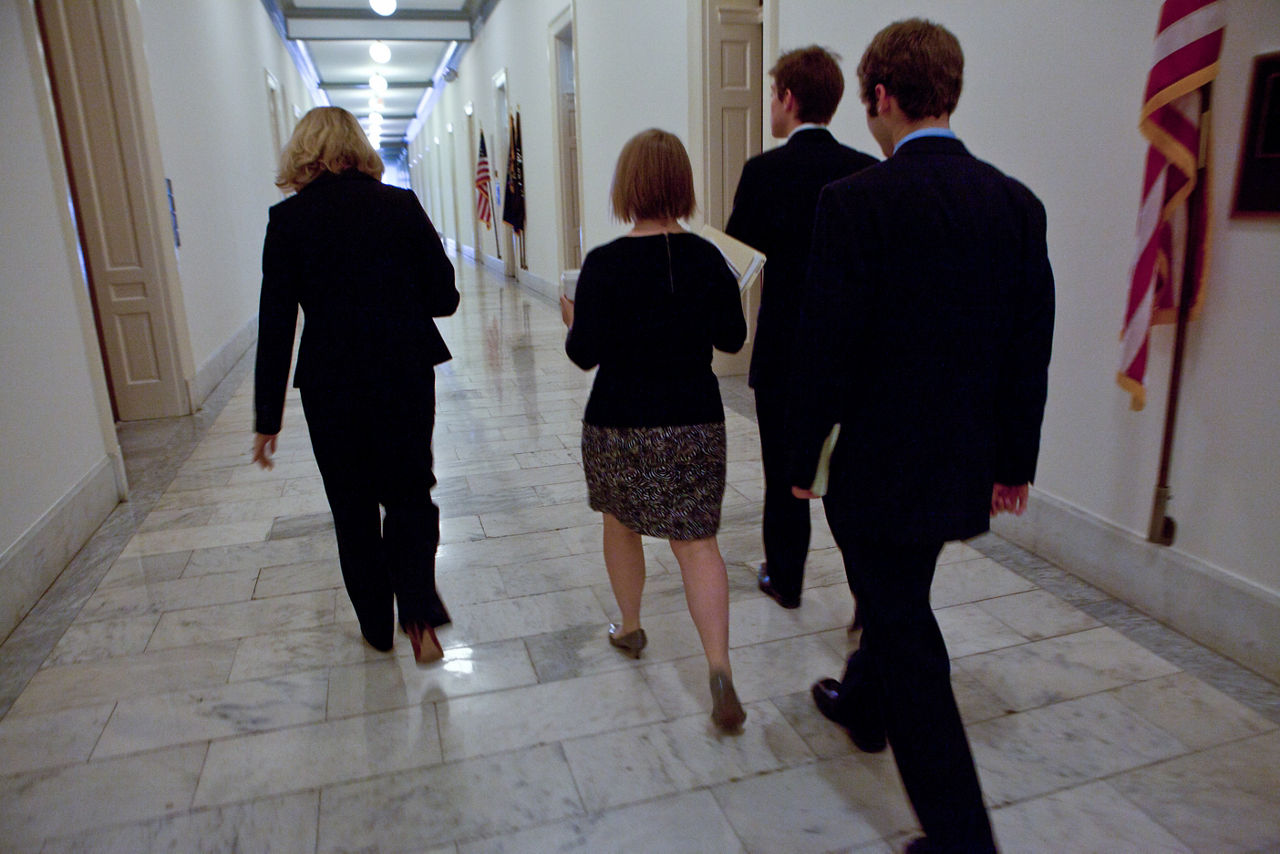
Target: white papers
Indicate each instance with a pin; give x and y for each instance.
(745, 261)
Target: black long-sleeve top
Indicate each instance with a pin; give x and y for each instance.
(366, 265)
(648, 311)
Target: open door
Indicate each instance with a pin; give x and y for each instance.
(124, 231)
(733, 71)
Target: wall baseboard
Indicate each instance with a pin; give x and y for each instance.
(221, 362)
(1211, 605)
(34, 561)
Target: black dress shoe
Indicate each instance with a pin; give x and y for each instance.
(766, 587)
(867, 737)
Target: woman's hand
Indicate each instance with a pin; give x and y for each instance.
(263, 447)
(566, 310)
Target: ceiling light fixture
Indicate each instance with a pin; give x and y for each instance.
(383, 7)
(379, 52)
(378, 83)
(376, 103)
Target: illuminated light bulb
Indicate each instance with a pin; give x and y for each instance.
(376, 103)
(378, 83)
(375, 118)
(383, 7)
(379, 52)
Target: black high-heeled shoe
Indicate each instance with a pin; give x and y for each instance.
(726, 712)
(631, 643)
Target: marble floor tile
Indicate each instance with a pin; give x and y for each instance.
(218, 495)
(131, 571)
(830, 805)
(261, 554)
(624, 766)
(90, 683)
(1055, 669)
(472, 799)
(189, 539)
(193, 517)
(537, 714)
(528, 615)
(243, 619)
(147, 598)
(1190, 710)
(968, 630)
(285, 825)
(320, 754)
(393, 682)
(275, 653)
(554, 573)
(303, 577)
(67, 801)
(1089, 819)
(1037, 614)
(111, 638)
(691, 823)
(1222, 799)
(1033, 753)
(972, 580)
(167, 720)
(63, 737)
(271, 508)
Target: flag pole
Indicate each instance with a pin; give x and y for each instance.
(1162, 526)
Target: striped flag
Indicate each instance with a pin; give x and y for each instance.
(484, 204)
(1188, 43)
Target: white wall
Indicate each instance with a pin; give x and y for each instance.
(49, 418)
(208, 64)
(1052, 92)
(632, 75)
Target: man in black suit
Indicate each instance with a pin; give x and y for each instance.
(773, 211)
(928, 320)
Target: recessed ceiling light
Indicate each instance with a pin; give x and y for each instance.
(383, 7)
(378, 83)
(379, 52)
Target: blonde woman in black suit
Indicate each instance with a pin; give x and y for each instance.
(367, 268)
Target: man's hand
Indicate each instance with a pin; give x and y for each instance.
(263, 447)
(566, 310)
(805, 494)
(1009, 499)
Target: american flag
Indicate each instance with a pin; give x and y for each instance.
(484, 206)
(1188, 43)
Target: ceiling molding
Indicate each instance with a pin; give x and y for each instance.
(381, 28)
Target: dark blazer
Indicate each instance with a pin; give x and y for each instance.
(927, 324)
(370, 273)
(773, 211)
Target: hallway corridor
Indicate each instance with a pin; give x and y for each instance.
(196, 680)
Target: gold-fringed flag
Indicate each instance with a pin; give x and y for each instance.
(513, 208)
(1188, 43)
(484, 204)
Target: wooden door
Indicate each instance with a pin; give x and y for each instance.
(123, 229)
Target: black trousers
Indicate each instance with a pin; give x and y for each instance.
(901, 673)
(785, 525)
(373, 449)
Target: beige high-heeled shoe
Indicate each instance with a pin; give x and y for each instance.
(631, 643)
(426, 646)
(726, 712)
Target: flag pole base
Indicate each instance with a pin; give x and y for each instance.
(1162, 527)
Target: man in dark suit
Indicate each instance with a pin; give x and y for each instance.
(773, 211)
(928, 318)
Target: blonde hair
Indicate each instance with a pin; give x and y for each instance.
(653, 179)
(327, 139)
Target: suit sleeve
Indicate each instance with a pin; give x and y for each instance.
(277, 322)
(748, 218)
(1024, 378)
(435, 269)
(821, 372)
(586, 339)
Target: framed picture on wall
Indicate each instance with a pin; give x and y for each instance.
(1258, 173)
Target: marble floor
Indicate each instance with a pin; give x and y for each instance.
(195, 680)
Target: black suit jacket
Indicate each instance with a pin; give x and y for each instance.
(370, 273)
(773, 211)
(927, 324)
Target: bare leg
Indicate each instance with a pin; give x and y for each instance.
(706, 589)
(624, 559)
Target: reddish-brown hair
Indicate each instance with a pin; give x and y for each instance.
(919, 63)
(653, 179)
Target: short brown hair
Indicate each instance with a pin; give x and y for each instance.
(812, 75)
(653, 179)
(327, 139)
(918, 62)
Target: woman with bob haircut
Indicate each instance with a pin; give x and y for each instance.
(649, 308)
(367, 268)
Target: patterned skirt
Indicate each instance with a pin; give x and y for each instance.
(663, 482)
